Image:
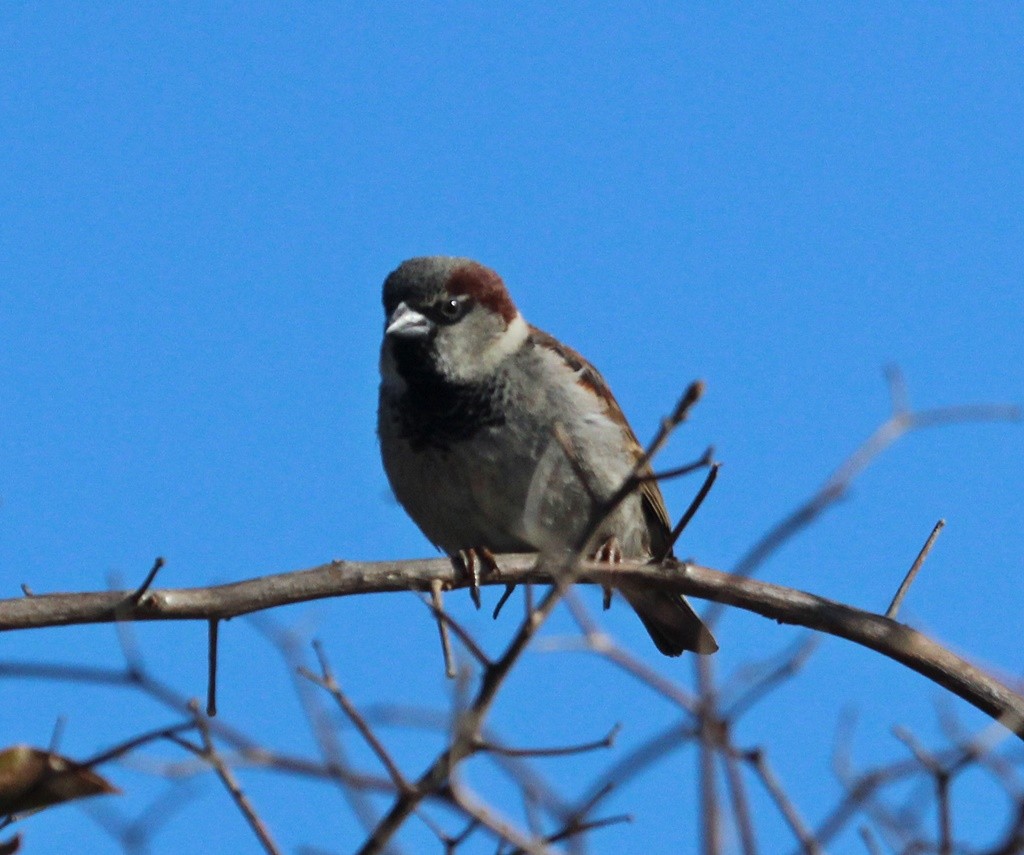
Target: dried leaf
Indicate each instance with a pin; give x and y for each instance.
(31, 778)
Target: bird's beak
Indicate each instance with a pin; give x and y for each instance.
(407, 323)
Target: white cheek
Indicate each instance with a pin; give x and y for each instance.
(510, 341)
(484, 361)
(504, 345)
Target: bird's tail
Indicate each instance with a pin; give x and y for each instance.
(670, 620)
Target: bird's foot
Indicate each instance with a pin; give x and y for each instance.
(475, 562)
(609, 552)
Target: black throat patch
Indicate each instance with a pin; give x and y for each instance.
(434, 411)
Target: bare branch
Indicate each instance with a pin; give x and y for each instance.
(752, 683)
(446, 620)
(698, 500)
(250, 751)
(738, 797)
(757, 759)
(559, 751)
(786, 605)
(231, 784)
(709, 741)
(148, 581)
(908, 580)
(211, 678)
(503, 829)
(707, 718)
(437, 601)
(562, 570)
(327, 680)
(901, 421)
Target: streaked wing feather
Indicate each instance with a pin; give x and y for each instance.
(658, 523)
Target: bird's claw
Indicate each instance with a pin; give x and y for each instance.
(608, 552)
(475, 562)
(504, 599)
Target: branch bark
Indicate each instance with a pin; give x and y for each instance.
(347, 578)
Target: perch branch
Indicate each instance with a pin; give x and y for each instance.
(339, 579)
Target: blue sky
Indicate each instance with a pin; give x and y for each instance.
(198, 206)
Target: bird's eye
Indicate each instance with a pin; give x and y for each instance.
(452, 309)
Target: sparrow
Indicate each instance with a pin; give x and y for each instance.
(496, 437)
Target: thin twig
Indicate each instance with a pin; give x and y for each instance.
(708, 727)
(900, 422)
(691, 395)
(870, 843)
(231, 784)
(442, 628)
(698, 500)
(655, 750)
(899, 399)
(669, 689)
(211, 677)
(464, 636)
(560, 751)
(579, 613)
(501, 827)
(703, 462)
(327, 680)
(137, 742)
(941, 774)
(451, 844)
(293, 647)
(138, 593)
(590, 825)
(738, 795)
(758, 761)
(641, 469)
(755, 682)
(568, 449)
(908, 580)
(57, 734)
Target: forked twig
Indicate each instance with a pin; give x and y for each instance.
(688, 514)
(900, 422)
(327, 681)
(463, 635)
(209, 753)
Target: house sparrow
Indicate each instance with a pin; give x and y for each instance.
(496, 437)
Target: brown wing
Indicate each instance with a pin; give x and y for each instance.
(658, 523)
(668, 617)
